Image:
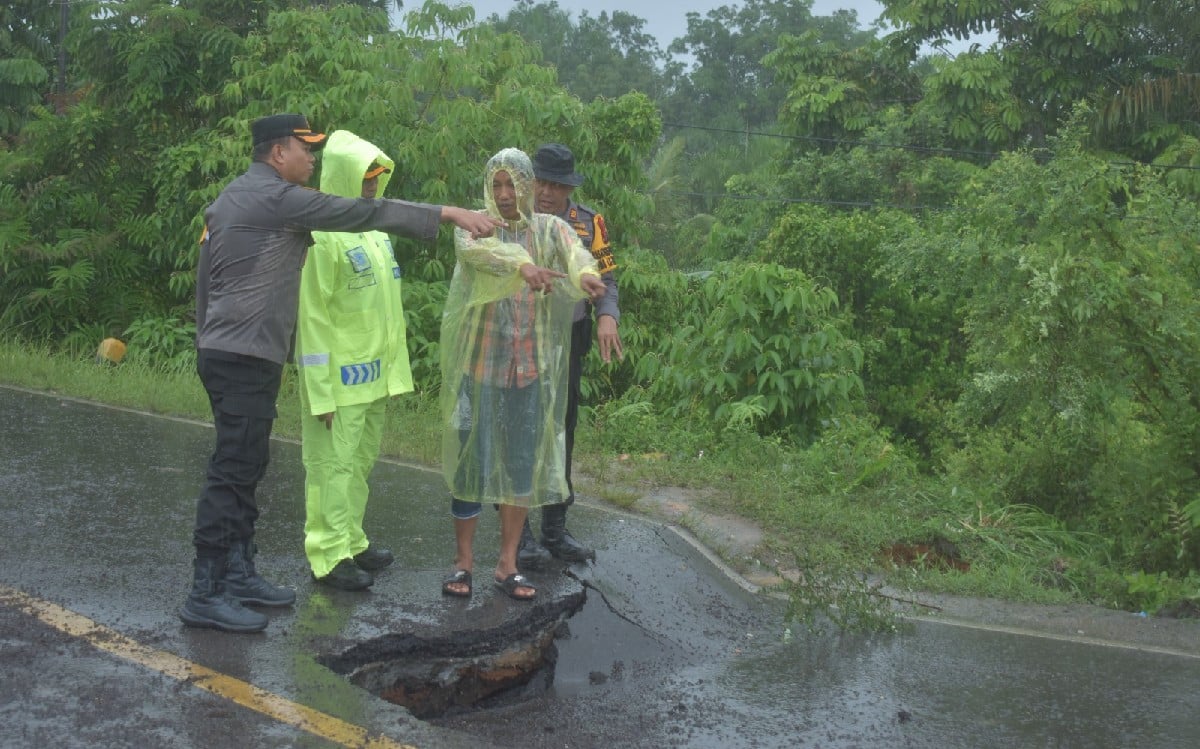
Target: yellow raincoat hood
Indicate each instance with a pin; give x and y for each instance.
(520, 168)
(345, 161)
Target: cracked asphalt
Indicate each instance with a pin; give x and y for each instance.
(667, 650)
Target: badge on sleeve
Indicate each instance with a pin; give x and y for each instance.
(600, 247)
(601, 229)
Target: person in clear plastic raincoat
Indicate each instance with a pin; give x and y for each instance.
(352, 354)
(506, 338)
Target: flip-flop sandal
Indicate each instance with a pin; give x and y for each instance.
(457, 577)
(516, 580)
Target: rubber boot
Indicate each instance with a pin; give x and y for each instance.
(530, 554)
(208, 605)
(243, 583)
(374, 558)
(346, 575)
(558, 540)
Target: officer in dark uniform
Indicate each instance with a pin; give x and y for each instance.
(257, 234)
(556, 179)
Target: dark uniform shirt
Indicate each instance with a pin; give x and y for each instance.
(592, 232)
(257, 232)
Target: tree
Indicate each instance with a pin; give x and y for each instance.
(1077, 284)
(1047, 56)
(103, 205)
(837, 89)
(1158, 115)
(754, 342)
(729, 83)
(734, 90)
(606, 56)
(28, 30)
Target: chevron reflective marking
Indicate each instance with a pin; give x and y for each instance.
(359, 374)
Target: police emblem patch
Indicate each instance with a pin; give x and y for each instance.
(359, 261)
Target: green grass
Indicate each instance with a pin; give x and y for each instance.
(412, 432)
(619, 497)
(131, 385)
(835, 505)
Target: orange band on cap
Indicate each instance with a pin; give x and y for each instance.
(308, 136)
(375, 172)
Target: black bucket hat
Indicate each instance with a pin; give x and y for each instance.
(276, 126)
(554, 162)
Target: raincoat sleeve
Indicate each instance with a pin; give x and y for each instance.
(316, 336)
(494, 266)
(575, 260)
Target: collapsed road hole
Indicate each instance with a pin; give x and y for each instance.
(463, 669)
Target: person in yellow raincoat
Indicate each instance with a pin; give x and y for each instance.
(352, 355)
(505, 343)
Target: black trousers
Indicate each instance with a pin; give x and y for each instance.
(242, 392)
(581, 344)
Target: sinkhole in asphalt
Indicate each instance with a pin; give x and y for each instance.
(463, 669)
(557, 648)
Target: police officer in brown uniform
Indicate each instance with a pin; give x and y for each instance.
(556, 179)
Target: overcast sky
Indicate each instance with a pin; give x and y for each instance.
(665, 20)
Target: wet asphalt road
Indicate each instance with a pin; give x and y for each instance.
(96, 506)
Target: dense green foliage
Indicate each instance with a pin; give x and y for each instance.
(107, 199)
(1076, 283)
(748, 343)
(27, 59)
(960, 288)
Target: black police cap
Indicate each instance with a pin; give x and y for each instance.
(554, 162)
(276, 126)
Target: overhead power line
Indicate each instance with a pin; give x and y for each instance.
(811, 201)
(834, 141)
(900, 146)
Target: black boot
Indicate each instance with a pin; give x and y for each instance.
(530, 554)
(346, 575)
(558, 539)
(374, 558)
(243, 583)
(209, 606)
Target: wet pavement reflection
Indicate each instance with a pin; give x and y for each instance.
(658, 647)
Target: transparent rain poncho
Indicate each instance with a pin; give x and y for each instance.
(504, 352)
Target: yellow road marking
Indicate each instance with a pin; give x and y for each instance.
(243, 693)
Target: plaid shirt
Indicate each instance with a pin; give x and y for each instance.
(506, 347)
